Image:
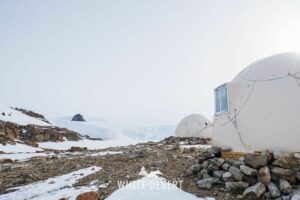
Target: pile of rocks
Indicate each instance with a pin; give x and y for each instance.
(264, 176)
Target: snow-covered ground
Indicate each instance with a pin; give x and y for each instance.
(152, 187)
(114, 132)
(53, 188)
(109, 129)
(8, 114)
(23, 156)
(18, 148)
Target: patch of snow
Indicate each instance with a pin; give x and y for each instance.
(53, 188)
(90, 144)
(152, 187)
(8, 114)
(23, 156)
(17, 148)
(198, 146)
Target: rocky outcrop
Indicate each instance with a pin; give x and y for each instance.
(31, 134)
(78, 118)
(32, 114)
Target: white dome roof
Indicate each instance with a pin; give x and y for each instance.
(194, 125)
(272, 67)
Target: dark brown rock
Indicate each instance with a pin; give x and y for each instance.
(264, 175)
(284, 173)
(75, 149)
(89, 196)
(286, 162)
(257, 161)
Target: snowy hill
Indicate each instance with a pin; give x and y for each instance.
(110, 129)
(9, 114)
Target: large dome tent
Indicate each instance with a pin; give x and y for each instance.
(259, 109)
(194, 125)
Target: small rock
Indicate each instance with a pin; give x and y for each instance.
(248, 170)
(285, 187)
(75, 149)
(206, 183)
(284, 173)
(286, 162)
(273, 189)
(139, 153)
(218, 173)
(227, 177)
(250, 179)
(255, 191)
(225, 166)
(193, 169)
(279, 154)
(257, 161)
(237, 175)
(264, 175)
(89, 196)
(240, 185)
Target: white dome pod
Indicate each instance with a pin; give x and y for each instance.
(194, 125)
(260, 108)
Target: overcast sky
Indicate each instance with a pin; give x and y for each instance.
(141, 59)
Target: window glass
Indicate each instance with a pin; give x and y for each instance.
(221, 103)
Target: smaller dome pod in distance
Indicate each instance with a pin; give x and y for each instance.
(194, 125)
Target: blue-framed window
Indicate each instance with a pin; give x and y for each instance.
(221, 102)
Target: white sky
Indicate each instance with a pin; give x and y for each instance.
(142, 59)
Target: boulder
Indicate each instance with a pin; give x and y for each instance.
(206, 183)
(284, 173)
(255, 191)
(78, 118)
(286, 162)
(285, 187)
(273, 190)
(256, 161)
(264, 175)
(93, 195)
(236, 173)
(240, 185)
(248, 170)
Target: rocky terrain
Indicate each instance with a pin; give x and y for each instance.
(201, 170)
(169, 156)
